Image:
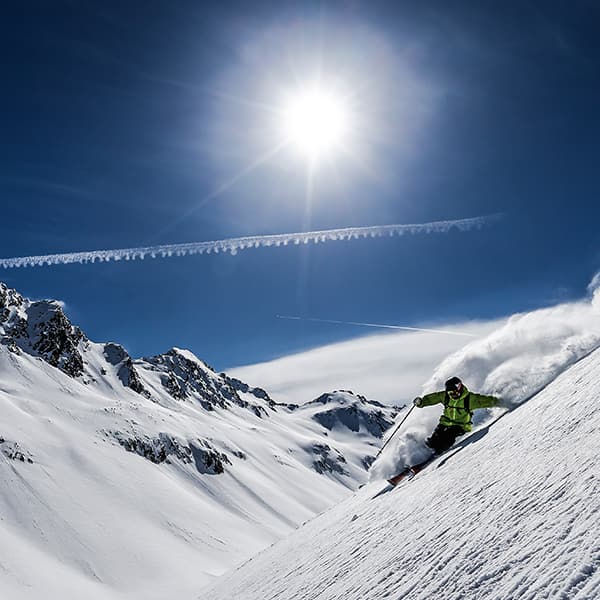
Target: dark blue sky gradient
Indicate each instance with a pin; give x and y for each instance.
(115, 133)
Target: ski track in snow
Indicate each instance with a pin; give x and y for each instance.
(515, 515)
(235, 245)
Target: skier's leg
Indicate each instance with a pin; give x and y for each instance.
(435, 441)
(443, 437)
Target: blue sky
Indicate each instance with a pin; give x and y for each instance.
(124, 128)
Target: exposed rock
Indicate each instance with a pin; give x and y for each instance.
(12, 346)
(117, 356)
(13, 451)
(205, 457)
(9, 298)
(130, 378)
(155, 449)
(209, 460)
(54, 338)
(42, 329)
(328, 460)
(336, 396)
(353, 412)
(186, 377)
(367, 461)
(241, 386)
(353, 417)
(115, 353)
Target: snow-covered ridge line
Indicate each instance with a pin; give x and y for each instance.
(235, 245)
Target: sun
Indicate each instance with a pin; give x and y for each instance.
(315, 122)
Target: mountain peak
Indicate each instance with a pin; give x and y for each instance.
(346, 410)
(207, 465)
(42, 329)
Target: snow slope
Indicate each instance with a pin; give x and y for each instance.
(147, 478)
(514, 514)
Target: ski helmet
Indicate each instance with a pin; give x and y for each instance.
(453, 384)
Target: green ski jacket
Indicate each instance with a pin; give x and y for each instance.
(459, 411)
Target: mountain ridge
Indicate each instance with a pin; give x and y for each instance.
(88, 432)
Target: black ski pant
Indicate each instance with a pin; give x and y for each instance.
(443, 437)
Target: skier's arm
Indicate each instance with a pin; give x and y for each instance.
(481, 401)
(431, 399)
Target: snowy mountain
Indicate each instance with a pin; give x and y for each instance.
(515, 513)
(149, 478)
(131, 478)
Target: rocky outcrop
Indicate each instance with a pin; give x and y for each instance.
(12, 450)
(54, 338)
(155, 449)
(354, 412)
(117, 356)
(328, 460)
(42, 329)
(165, 448)
(208, 460)
(185, 377)
(241, 386)
(9, 299)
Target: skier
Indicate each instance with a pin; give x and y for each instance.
(459, 404)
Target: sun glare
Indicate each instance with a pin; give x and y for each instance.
(315, 122)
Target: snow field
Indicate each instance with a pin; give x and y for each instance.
(513, 515)
(88, 519)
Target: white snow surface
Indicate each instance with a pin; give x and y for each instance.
(82, 517)
(513, 514)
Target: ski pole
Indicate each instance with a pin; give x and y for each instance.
(393, 434)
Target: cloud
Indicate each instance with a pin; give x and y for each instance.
(388, 367)
(235, 245)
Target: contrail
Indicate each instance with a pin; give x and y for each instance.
(377, 325)
(235, 245)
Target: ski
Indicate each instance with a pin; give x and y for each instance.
(396, 479)
(410, 472)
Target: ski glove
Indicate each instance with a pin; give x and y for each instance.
(418, 401)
